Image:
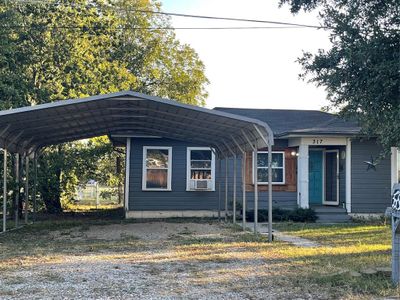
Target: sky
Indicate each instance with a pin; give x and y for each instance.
(252, 68)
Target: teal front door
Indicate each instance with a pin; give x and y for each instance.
(315, 177)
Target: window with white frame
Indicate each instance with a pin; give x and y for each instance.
(157, 163)
(278, 167)
(200, 169)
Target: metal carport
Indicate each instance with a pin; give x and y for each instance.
(26, 130)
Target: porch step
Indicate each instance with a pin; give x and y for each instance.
(331, 214)
(329, 209)
(333, 218)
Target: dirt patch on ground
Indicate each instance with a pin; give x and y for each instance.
(154, 231)
(149, 231)
(154, 260)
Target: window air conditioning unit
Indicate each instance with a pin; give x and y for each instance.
(200, 184)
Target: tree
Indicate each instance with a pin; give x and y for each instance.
(55, 50)
(361, 70)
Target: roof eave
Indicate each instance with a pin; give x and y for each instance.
(308, 134)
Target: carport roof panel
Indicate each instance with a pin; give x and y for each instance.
(127, 113)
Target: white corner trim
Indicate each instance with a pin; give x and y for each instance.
(394, 167)
(161, 214)
(348, 175)
(127, 171)
(169, 170)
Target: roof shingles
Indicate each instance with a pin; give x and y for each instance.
(283, 122)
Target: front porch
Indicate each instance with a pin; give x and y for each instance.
(323, 171)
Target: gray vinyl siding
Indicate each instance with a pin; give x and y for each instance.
(285, 200)
(180, 199)
(176, 199)
(370, 190)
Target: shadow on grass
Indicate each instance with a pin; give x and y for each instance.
(302, 267)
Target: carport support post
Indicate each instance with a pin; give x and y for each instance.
(26, 192)
(16, 190)
(226, 189)
(4, 190)
(244, 190)
(35, 173)
(219, 187)
(255, 176)
(234, 188)
(269, 192)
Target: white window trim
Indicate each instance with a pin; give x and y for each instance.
(144, 168)
(188, 169)
(394, 166)
(283, 168)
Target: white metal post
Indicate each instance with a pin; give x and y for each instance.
(35, 185)
(17, 189)
(97, 194)
(219, 187)
(226, 189)
(234, 188)
(26, 188)
(269, 193)
(127, 171)
(5, 190)
(255, 176)
(244, 190)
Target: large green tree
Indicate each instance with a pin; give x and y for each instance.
(61, 49)
(361, 71)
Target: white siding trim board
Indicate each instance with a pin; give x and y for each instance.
(348, 175)
(394, 167)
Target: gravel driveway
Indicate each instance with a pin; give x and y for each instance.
(153, 260)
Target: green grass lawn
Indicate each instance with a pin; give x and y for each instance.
(306, 272)
(345, 248)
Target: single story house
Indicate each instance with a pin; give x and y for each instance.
(318, 161)
(180, 159)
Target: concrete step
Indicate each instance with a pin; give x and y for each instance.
(333, 218)
(329, 209)
(331, 214)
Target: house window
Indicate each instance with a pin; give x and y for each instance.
(200, 169)
(157, 162)
(278, 167)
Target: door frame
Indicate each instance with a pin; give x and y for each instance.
(333, 203)
(323, 173)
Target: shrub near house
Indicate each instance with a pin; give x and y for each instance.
(278, 215)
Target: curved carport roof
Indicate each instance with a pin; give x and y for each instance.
(28, 129)
(128, 113)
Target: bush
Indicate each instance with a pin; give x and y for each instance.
(302, 215)
(280, 215)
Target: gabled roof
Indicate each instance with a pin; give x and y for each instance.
(284, 122)
(129, 113)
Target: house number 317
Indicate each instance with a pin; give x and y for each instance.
(317, 141)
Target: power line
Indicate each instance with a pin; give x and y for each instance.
(227, 18)
(152, 28)
(172, 14)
